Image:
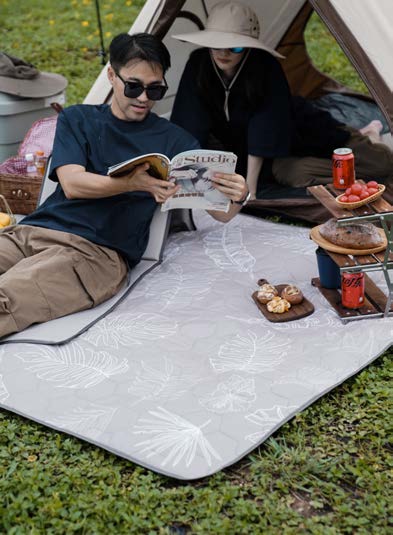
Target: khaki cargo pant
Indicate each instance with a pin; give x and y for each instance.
(46, 274)
(372, 161)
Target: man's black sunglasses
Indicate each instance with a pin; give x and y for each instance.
(135, 89)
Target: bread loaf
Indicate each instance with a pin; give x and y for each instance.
(352, 236)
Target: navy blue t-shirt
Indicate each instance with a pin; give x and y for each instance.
(93, 137)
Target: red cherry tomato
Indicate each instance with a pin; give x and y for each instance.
(356, 189)
(364, 195)
(348, 191)
(343, 198)
(373, 190)
(353, 198)
(372, 184)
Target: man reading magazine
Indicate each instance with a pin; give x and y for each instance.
(73, 252)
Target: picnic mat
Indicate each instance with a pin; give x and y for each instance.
(186, 376)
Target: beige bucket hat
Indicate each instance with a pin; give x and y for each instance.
(22, 79)
(229, 25)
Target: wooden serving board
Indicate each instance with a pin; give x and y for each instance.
(328, 246)
(296, 312)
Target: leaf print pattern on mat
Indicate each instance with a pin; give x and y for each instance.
(282, 237)
(164, 383)
(129, 329)
(4, 394)
(174, 436)
(72, 366)
(170, 286)
(225, 247)
(234, 395)
(267, 420)
(89, 423)
(251, 354)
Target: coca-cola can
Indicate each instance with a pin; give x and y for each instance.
(352, 290)
(343, 162)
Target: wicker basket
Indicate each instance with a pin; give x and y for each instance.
(352, 205)
(21, 192)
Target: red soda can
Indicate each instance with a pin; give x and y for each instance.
(352, 290)
(343, 168)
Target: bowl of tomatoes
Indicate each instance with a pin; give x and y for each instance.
(360, 193)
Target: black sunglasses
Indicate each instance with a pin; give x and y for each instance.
(235, 50)
(135, 89)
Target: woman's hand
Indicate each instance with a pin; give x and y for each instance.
(140, 180)
(231, 185)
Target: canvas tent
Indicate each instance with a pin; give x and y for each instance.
(361, 27)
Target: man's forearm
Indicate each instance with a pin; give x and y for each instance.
(224, 217)
(80, 184)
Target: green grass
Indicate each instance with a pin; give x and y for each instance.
(325, 472)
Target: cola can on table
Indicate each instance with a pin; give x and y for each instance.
(352, 290)
(343, 162)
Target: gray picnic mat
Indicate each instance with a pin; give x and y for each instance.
(186, 376)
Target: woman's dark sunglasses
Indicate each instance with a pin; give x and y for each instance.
(236, 50)
(135, 89)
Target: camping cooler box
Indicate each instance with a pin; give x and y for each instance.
(17, 114)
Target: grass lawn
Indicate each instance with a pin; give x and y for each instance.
(325, 472)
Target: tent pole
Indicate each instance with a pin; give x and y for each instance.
(101, 52)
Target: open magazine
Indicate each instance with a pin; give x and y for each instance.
(192, 170)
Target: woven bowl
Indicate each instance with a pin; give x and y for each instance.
(351, 205)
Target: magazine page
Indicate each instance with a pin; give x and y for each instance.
(159, 166)
(192, 170)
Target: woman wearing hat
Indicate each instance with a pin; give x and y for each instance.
(234, 95)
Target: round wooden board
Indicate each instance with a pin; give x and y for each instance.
(325, 244)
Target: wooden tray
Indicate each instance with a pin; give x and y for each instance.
(296, 312)
(326, 195)
(325, 244)
(373, 306)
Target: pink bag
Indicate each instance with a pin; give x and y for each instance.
(40, 137)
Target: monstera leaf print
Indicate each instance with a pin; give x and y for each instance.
(291, 239)
(164, 382)
(225, 247)
(72, 366)
(267, 420)
(234, 395)
(174, 436)
(172, 286)
(90, 422)
(4, 394)
(129, 329)
(251, 354)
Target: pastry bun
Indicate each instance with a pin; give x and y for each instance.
(278, 305)
(292, 294)
(266, 293)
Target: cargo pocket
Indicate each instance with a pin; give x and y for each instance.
(89, 282)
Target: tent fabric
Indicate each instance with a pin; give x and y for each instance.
(363, 30)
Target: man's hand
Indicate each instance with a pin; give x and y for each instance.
(140, 180)
(232, 185)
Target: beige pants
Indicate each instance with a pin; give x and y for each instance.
(46, 274)
(372, 161)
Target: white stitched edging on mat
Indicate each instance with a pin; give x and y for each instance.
(186, 376)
